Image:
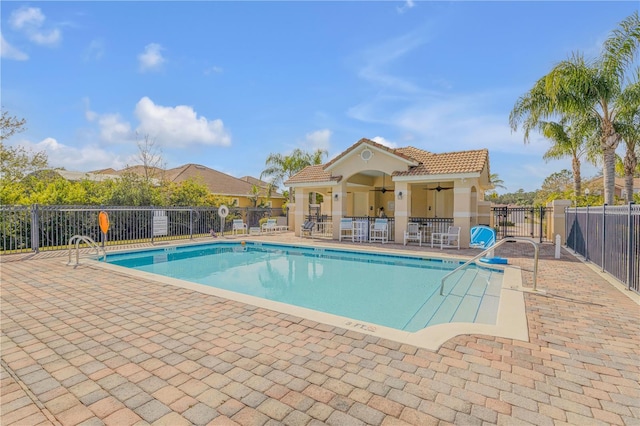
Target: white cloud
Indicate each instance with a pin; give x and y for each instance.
(30, 21)
(9, 52)
(26, 17)
(88, 157)
(95, 50)
(179, 126)
(151, 59)
(377, 60)
(408, 4)
(385, 142)
(213, 70)
(113, 128)
(320, 139)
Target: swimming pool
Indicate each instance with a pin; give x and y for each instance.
(396, 291)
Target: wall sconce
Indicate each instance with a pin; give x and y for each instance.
(335, 196)
(400, 195)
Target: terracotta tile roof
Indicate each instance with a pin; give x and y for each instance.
(393, 151)
(449, 163)
(314, 173)
(428, 163)
(417, 154)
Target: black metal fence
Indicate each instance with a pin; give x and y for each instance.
(529, 222)
(608, 237)
(38, 228)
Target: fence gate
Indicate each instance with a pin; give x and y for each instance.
(521, 221)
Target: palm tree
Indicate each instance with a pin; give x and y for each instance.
(629, 129)
(590, 90)
(281, 167)
(568, 141)
(496, 181)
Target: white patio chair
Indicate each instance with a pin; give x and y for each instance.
(237, 226)
(413, 233)
(270, 225)
(379, 231)
(346, 229)
(448, 239)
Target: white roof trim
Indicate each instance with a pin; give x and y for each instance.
(365, 145)
(313, 184)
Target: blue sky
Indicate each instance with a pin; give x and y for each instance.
(224, 84)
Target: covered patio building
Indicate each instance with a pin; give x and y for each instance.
(410, 184)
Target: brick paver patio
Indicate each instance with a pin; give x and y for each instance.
(83, 346)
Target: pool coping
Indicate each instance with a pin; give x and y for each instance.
(511, 321)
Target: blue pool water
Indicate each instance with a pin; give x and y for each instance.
(395, 291)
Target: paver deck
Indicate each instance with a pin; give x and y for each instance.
(83, 346)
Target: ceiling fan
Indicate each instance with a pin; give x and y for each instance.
(439, 188)
(383, 189)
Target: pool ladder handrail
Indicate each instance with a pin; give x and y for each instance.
(493, 247)
(87, 240)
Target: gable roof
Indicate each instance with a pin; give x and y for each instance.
(255, 181)
(419, 163)
(217, 182)
(315, 173)
(373, 144)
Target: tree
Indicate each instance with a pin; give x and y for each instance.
(629, 129)
(190, 192)
(281, 167)
(16, 162)
(556, 186)
(10, 125)
(150, 158)
(569, 140)
(590, 90)
(497, 183)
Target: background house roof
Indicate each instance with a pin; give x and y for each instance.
(255, 181)
(217, 182)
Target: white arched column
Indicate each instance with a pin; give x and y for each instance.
(338, 207)
(301, 208)
(462, 211)
(403, 210)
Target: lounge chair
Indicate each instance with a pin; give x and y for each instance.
(307, 228)
(269, 226)
(413, 233)
(379, 231)
(346, 229)
(448, 239)
(237, 226)
(482, 237)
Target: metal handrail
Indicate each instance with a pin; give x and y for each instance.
(88, 240)
(505, 240)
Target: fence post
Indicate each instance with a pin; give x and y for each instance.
(191, 224)
(586, 238)
(575, 231)
(153, 234)
(604, 232)
(35, 228)
(629, 247)
(541, 218)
